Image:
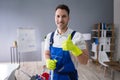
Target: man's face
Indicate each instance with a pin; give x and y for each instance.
(61, 18)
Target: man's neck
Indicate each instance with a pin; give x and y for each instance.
(61, 31)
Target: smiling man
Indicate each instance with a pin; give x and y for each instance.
(64, 47)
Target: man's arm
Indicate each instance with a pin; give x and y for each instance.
(50, 64)
(83, 58)
(81, 54)
(47, 54)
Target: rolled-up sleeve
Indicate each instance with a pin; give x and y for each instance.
(47, 42)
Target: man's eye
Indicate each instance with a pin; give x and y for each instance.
(58, 16)
(64, 16)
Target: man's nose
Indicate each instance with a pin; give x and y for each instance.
(60, 19)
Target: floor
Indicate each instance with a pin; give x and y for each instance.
(91, 71)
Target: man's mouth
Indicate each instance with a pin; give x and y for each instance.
(61, 23)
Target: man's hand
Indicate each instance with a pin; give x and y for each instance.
(68, 45)
(51, 64)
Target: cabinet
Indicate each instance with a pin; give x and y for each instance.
(102, 39)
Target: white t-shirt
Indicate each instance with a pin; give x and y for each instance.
(77, 39)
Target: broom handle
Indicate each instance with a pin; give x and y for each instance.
(51, 77)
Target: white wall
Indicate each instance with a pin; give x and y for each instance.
(117, 27)
(39, 14)
(117, 32)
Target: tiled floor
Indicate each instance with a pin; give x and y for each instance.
(86, 72)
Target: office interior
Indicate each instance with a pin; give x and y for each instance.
(39, 15)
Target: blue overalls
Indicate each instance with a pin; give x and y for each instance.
(65, 69)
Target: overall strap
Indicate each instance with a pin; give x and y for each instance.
(51, 38)
(52, 35)
(72, 34)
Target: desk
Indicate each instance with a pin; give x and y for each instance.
(114, 66)
(6, 69)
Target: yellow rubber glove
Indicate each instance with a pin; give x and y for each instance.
(68, 45)
(51, 64)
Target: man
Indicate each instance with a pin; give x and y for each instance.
(63, 47)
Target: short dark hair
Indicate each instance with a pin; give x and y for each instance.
(63, 6)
